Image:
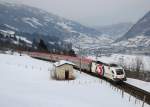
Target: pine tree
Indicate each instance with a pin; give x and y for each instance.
(42, 46)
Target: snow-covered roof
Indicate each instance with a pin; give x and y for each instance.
(8, 32)
(62, 62)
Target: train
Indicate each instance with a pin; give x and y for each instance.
(109, 71)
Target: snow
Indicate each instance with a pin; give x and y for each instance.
(62, 62)
(47, 19)
(140, 84)
(52, 43)
(34, 22)
(24, 39)
(11, 27)
(26, 82)
(8, 32)
(65, 26)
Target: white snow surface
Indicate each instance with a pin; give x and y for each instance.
(33, 22)
(140, 84)
(24, 39)
(26, 82)
(11, 27)
(8, 32)
(65, 26)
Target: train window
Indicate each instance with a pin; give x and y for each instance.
(112, 72)
(98, 62)
(119, 72)
(113, 65)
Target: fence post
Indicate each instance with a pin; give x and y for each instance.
(144, 101)
(110, 85)
(135, 99)
(129, 97)
(122, 93)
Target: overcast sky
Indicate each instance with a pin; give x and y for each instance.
(94, 12)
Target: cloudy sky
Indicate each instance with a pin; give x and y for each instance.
(94, 12)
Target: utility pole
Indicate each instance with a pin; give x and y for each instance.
(80, 64)
(80, 51)
(98, 54)
(80, 56)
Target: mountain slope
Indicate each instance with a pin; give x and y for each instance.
(138, 35)
(142, 27)
(27, 19)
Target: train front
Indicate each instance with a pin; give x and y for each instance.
(118, 73)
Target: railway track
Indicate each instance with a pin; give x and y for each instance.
(128, 88)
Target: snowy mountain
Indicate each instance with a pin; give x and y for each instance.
(138, 35)
(114, 31)
(29, 22)
(22, 18)
(142, 27)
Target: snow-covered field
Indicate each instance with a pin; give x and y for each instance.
(26, 82)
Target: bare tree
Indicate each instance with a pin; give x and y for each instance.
(138, 63)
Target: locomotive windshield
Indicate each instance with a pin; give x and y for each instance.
(119, 72)
(113, 65)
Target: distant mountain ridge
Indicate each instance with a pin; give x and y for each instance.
(115, 30)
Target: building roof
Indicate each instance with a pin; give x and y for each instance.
(8, 32)
(62, 62)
